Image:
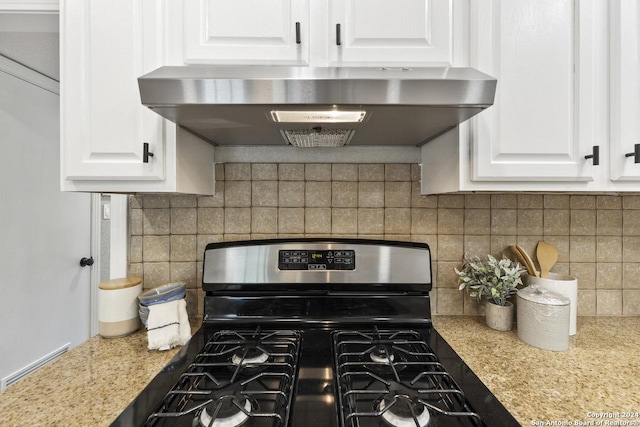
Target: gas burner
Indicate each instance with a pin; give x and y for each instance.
(402, 411)
(229, 411)
(382, 354)
(249, 356)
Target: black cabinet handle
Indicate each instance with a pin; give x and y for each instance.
(146, 153)
(86, 262)
(338, 40)
(635, 154)
(595, 155)
(297, 33)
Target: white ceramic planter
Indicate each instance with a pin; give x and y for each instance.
(499, 317)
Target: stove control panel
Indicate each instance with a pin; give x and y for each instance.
(304, 259)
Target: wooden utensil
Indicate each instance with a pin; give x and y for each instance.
(528, 261)
(530, 269)
(547, 257)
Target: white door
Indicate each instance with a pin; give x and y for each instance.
(44, 293)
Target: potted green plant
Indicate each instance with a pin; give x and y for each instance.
(494, 281)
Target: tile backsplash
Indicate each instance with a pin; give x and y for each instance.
(598, 236)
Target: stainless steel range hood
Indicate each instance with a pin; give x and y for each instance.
(302, 106)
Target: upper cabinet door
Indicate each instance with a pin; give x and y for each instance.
(387, 32)
(103, 123)
(546, 115)
(625, 89)
(246, 32)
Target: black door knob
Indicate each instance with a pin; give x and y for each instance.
(86, 262)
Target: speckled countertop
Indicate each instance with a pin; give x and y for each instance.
(95, 381)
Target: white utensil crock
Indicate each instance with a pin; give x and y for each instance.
(563, 285)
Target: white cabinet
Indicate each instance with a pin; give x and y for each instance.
(316, 33)
(105, 46)
(625, 91)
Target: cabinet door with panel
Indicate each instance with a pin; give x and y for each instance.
(548, 111)
(625, 91)
(384, 32)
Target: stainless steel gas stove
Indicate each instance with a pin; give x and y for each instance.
(316, 332)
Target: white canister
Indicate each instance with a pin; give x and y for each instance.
(543, 318)
(563, 285)
(118, 307)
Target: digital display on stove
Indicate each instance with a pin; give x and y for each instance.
(304, 259)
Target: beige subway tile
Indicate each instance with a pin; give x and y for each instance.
(451, 201)
(631, 302)
(344, 220)
(219, 171)
(344, 194)
(608, 248)
(451, 248)
(562, 244)
(264, 172)
(317, 220)
(155, 248)
(264, 193)
(562, 268)
(184, 220)
(210, 220)
(450, 221)
(291, 194)
(291, 220)
(586, 302)
(136, 270)
(631, 275)
(156, 221)
(264, 220)
(582, 248)
(431, 240)
(233, 237)
(628, 202)
(477, 221)
(501, 245)
(420, 201)
(156, 274)
(371, 194)
(450, 301)
(397, 220)
(434, 277)
(471, 305)
(135, 249)
(631, 248)
(583, 222)
(530, 244)
(237, 194)
(582, 202)
(184, 272)
(556, 201)
(183, 201)
(371, 236)
(504, 201)
(371, 172)
(237, 220)
(557, 222)
(263, 236)
(447, 277)
(215, 201)
(608, 302)
(477, 245)
(609, 275)
(398, 237)
(433, 300)
(424, 221)
(200, 297)
(202, 240)
(135, 201)
(397, 194)
(191, 298)
(609, 202)
(344, 172)
(370, 221)
(530, 201)
(317, 172)
(504, 221)
(416, 172)
(135, 222)
(155, 201)
(477, 201)
(530, 222)
(317, 194)
(237, 172)
(183, 248)
(291, 172)
(631, 222)
(609, 222)
(397, 172)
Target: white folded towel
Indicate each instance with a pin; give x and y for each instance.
(168, 325)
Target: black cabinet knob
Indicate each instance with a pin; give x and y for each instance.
(86, 262)
(635, 154)
(595, 155)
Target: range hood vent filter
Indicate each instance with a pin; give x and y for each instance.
(318, 137)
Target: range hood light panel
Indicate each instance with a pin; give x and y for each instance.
(327, 116)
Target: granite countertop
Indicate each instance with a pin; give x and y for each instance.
(95, 381)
